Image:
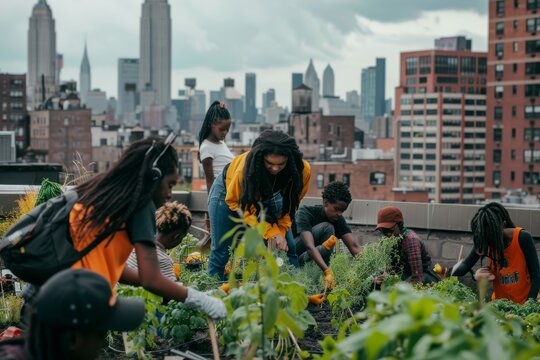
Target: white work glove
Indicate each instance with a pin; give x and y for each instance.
(213, 307)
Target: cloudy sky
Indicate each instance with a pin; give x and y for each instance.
(214, 39)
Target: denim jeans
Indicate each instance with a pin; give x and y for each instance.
(221, 223)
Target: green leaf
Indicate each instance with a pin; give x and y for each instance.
(251, 240)
(375, 341)
(270, 312)
(229, 233)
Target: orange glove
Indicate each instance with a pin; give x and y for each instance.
(225, 287)
(329, 279)
(176, 270)
(316, 299)
(329, 243)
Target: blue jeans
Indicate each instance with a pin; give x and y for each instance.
(221, 223)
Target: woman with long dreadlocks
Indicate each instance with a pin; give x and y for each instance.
(273, 174)
(513, 263)
(119, 206)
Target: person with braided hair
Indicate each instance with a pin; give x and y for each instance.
(272, 178)
(317, 229)
(214, 154)
(119, 206)
(173, 221)
(512, 259)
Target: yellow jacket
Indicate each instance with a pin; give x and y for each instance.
(233, 183)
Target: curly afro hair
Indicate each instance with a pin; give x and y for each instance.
(172, 216)
(337, 191)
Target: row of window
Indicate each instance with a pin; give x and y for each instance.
(13, 117)
(446, 65)
(532, 25)
(454, 112)
(530, 5)
(531, 69)
(430, 100)
(375, 178)
(529, 177)
(478, 90)
(529, 156)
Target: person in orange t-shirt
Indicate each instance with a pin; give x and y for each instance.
(512, 258)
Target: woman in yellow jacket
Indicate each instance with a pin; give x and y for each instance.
(273, 174)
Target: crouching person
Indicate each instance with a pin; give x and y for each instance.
(70, 317)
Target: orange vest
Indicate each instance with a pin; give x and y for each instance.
(108, 258)
(512, 282)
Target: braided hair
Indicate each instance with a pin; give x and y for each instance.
(487, 227)
(337, 191)
(112, 197)
(173, 216)
(256, 183)
(216, 112)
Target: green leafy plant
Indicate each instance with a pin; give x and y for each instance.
(144, 337)
(267, 316)
(10, 309)
(452, 289)
(180, 322)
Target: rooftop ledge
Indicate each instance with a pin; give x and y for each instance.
(363, 213)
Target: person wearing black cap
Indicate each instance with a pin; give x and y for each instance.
(413, 262)
(70, 317)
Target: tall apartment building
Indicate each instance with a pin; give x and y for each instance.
(13, 114)
(441, 124)
(512, 151)
(128, 78)
(372, 92)
(250, 114)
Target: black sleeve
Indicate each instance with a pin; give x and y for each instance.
(302, 220)
(526, 243)
(142, 225)
(342, 228)
(466, 265)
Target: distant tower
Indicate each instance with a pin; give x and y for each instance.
(250, 114)
(41, 54)
(85, 78)
(328, 82)
(312, 81)
(297, 80)
(155, 50)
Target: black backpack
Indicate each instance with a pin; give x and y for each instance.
(39, 245)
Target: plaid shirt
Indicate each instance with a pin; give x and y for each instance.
(416, 256)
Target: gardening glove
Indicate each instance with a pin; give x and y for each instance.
(329, 243)
(329, 279)
(213, 307)
(225, 288)
(176, 270)
(316, 299)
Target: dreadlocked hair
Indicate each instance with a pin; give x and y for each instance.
(257, 185)
(216, 112)
(487, 225)
(112, 197)
(173, 216)
(337, 191)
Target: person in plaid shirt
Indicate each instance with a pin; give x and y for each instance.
(412, 259)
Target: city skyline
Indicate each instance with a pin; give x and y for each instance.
(210, 41)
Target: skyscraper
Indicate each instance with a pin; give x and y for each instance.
(128, 78)
(41, 82)
(328, 82)
(155, 50)
(513, 90)
(372, 93)
(250, 114)
(297, 80)
(85, 78)
(267, 99)
(312, 81)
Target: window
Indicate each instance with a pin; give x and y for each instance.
(533, 25)
(499, 71)
(499, 50)
(515, 67)
(377, 178)
(446, 65)
(411, 65)
(513, 133)
(496, 178)
(405, 156)
(497, 155)
(411, 81)
(532, 4)
(531, 156)
(468, 65)
(513, 154)
(425, 65)
(330, 129)
(320, 181)
(347, 179)
(532, 112)
(515, 46)
(497, 134)
(103, 142)
(499, 91)
(532, 90)
(500, 7)
(532, 46)
(403, 167)
(512, 175)
(516, 4)
(499, 28)
(532, 68)
(338, 131)
(329, 143)
(515, 24)
(531, 134)
(531, 178)
(514, 111)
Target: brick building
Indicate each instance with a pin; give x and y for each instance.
(62, 136)
(367, 179)
(13, 114)
(513, 87)
(441, 124)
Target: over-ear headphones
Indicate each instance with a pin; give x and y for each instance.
(155, 171)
